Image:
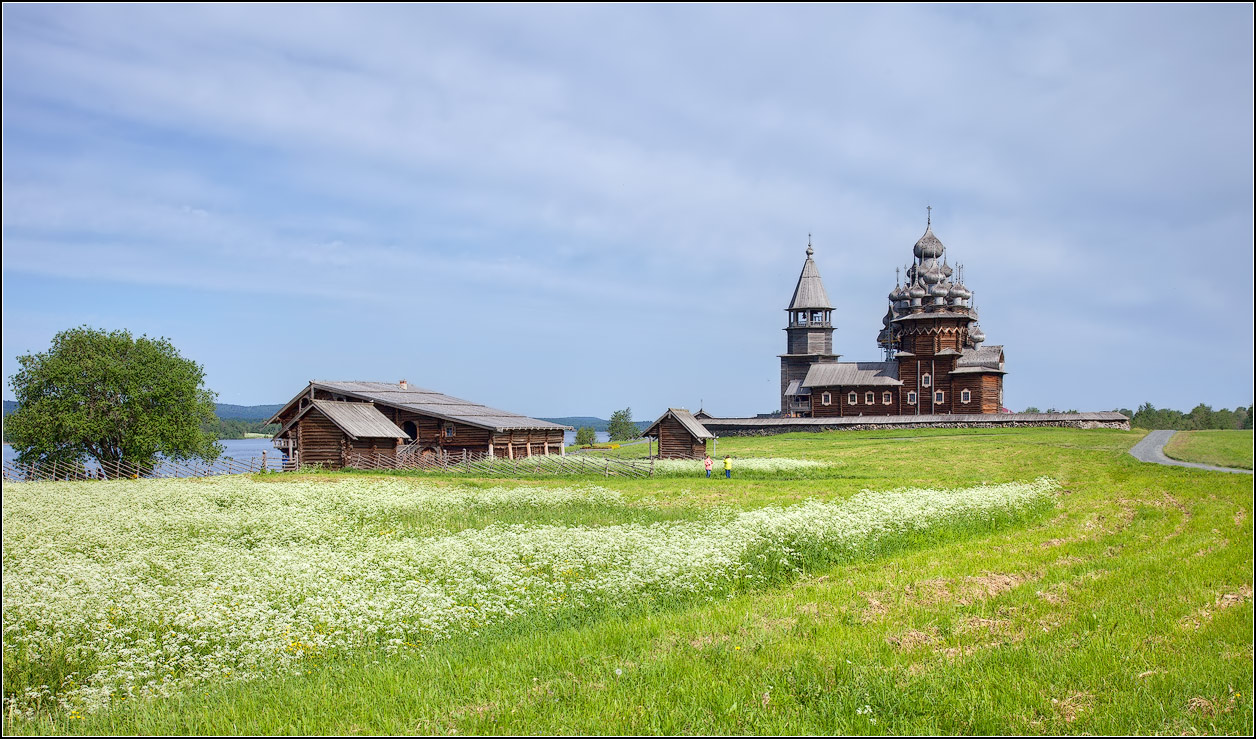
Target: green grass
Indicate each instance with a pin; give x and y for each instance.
(1126, 609)
(1219, 448)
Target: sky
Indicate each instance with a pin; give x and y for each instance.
(563, 210)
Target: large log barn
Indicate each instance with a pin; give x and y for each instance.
(935, 363)
(328, 421)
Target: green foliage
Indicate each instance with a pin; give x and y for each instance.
(1032, 409)
(1201, 417)
(621, 426)
(585, 436)
(111, 397)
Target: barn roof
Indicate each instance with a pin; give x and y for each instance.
(357, 420)
(429, 403)
(852, 374)
(691, 424)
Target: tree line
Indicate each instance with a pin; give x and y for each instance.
(1201, 418)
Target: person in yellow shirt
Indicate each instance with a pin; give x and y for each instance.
(728, 467)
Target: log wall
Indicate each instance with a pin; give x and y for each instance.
(675, 441)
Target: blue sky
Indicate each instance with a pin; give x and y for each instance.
(568, 210)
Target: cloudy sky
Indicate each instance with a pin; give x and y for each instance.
(568, 210)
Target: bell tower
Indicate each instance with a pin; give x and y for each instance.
(809, 333)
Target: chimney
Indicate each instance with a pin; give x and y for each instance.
(403, 384)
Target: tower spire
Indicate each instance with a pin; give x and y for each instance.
(810, 251)
(929, 216)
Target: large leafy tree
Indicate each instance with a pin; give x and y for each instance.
(111, 397)
(621, 427)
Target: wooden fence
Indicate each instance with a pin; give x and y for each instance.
(466, 463)
(14, 472)
(541, 465)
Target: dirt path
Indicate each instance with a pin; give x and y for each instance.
(1151, 449)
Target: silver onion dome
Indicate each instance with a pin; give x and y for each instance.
(940, 290)
(917, 290)
(975, 334)
(928, 247)
(959, 291)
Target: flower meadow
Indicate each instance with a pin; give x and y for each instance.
(758, 465)
(127, 589)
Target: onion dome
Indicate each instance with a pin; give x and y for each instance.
(930, 272)
(975, 334)
(928, 247)
(946, 270)
(959, 291)
(940, 290)
(917, 290)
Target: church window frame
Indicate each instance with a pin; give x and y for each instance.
(965, 396)
(853, 398)
(450, 430)
(887, 397)
(926, 380)
(939, 397)
(826, 398)
(870, 398)
(911, 397)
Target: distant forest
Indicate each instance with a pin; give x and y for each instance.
(1201, 418)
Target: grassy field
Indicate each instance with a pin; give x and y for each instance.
(1115, 599)
(1219, 448)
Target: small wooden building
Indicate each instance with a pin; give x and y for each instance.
(327, 422)
(680, 435)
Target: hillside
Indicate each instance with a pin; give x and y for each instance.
(597, 424)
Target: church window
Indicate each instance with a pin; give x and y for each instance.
(965, 395)
(869, 398)
(911, 397)
(852, 398)
(449, 431)
(825, 398)
(926, 381)
(886, 398)
(938, 397)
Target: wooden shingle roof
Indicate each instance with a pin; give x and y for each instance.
(357, 420)
(429, 403)
(852, 374)
(691, 424)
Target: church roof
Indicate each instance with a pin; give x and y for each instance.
(850, 374)
(986, 356)
(810, 290)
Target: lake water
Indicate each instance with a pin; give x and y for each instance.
(245, 449)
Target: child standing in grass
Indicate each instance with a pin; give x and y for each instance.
(707, 463)
(728, 467)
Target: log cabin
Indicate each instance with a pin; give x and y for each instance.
(327, 422)
(679, 435)
(934, 361)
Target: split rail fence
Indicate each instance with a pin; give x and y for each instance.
(471, 464)
(541, 465)
(14, 472)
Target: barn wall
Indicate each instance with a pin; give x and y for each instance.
(319, 440)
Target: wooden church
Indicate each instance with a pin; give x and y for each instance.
(934, 358)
